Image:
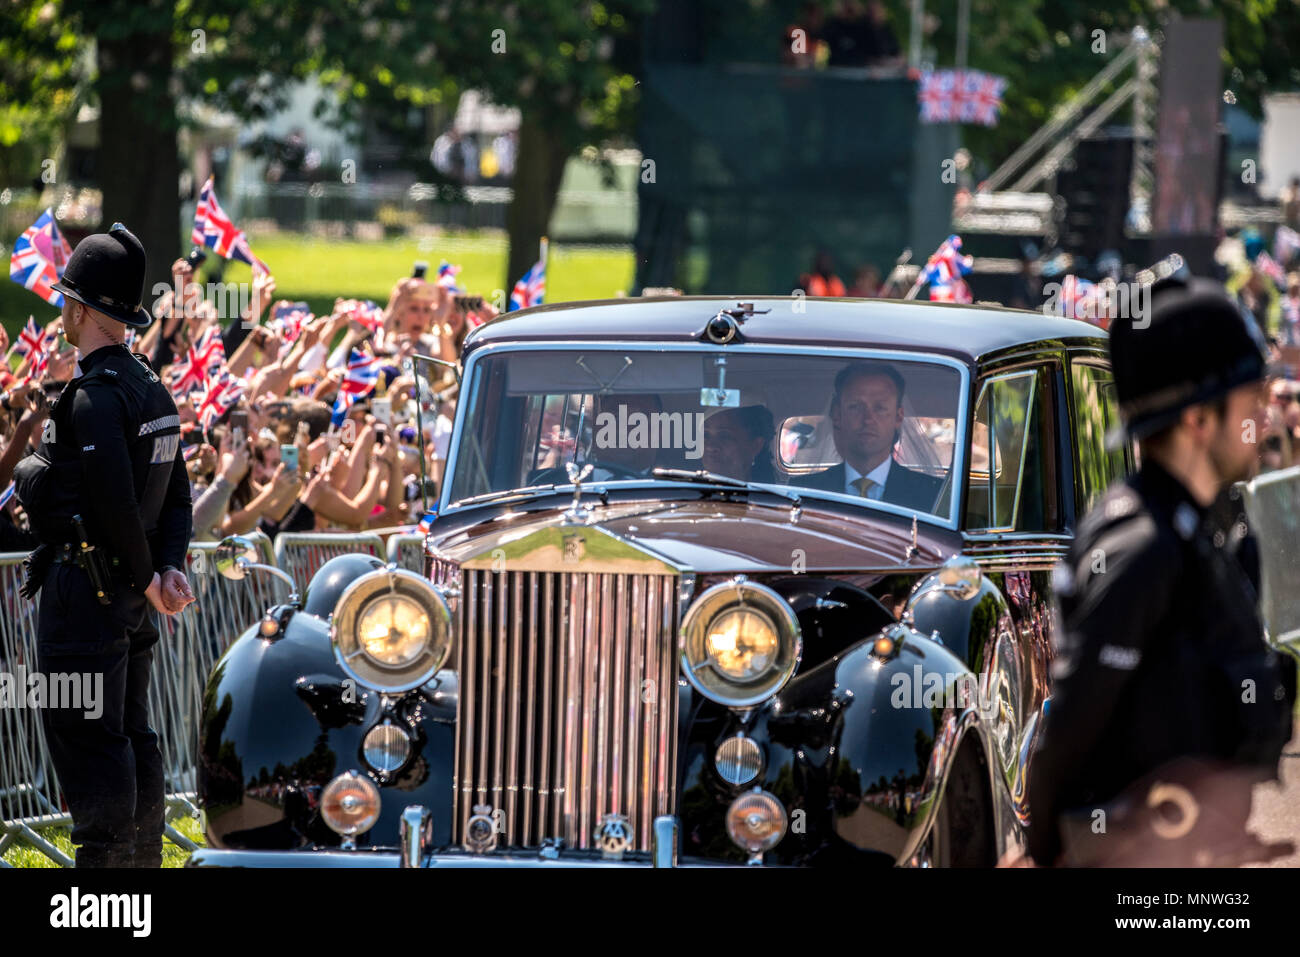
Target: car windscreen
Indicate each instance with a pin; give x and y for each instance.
(878, 428)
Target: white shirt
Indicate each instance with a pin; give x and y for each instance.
(879, 475)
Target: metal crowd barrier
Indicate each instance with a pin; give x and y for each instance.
(301, 554)
(189, 645)
(406, 550)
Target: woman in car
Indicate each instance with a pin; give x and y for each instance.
(738, 443)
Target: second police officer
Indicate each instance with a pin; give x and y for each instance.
(1167, 705)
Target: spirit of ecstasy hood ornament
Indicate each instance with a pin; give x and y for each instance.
(576, 513)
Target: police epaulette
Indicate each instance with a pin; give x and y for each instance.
(144, 361)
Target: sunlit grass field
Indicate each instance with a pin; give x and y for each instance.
(317, 270)
(23, 855)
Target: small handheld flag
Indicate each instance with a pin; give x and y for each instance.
(358, 382)
(530, 290)
(40, 255)
(214, 229)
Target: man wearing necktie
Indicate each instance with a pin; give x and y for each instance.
(866, 418)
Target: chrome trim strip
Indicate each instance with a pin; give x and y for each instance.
(512, 731)
(636, 799)
(469, 396)
(530, 719)
(499, 662)
(485, 705)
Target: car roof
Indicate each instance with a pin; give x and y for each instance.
(968, 332)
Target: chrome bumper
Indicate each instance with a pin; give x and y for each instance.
(415, 832)
(206, 857)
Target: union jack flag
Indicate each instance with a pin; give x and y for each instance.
(221, 393)
(1271, 268)
(447, 277)
(937, 96)
(6, 495)
(29, 339)
(426, 522)
(201, 359)
(947, 263)
(36, 347)
(955, 291)
(1081, 299)
(214, 229)
(40, 255)
(288, 321)
(369, 313)
(358, 382)
(530, 290)
(960, 96)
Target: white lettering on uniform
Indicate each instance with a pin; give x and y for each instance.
(1123, 659)
(164, 448)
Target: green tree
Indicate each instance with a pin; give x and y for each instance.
(553, 58)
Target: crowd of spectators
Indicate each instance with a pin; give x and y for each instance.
(267, 387)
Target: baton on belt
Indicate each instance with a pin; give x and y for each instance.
(93, 563)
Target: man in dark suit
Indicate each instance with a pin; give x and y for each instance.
(866, 418)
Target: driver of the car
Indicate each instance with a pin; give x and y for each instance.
(866, 416)
(625, 407)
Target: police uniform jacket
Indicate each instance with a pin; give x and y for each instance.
(111, 452)
(1161, 656)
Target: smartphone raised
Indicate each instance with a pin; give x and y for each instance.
(419, 270)
(289, 456)
(382, 410)
(239, 420)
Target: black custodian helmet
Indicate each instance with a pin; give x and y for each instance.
(1194, 344)
(106, 272)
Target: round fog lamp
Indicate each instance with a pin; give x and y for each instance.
(738, 760)
(386, 747)
(349, 804)
(756, 822)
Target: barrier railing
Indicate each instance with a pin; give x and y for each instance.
(189, 645)
(406, 550)
(301, 554)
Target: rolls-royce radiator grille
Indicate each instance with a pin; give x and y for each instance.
(567, 701)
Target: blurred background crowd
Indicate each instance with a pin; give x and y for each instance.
(290, 421)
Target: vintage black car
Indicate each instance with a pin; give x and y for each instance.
(711, 581)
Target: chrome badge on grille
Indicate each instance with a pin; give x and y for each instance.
(575, 548)
(614, 837)
(481, 831)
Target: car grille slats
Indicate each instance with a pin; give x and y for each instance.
(567, 702)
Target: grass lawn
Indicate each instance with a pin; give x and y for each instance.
(23, 855)
(317, 270)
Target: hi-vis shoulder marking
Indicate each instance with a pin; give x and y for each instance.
(157, 425)
(132, 911)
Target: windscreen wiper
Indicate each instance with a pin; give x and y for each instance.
(705, 477)
(531, 491)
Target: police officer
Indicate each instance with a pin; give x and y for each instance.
(1167, 706)
(108, 497)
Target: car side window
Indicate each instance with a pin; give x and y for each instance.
(1010, 485)
(1096, 412)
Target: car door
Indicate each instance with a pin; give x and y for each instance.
(1015, 523)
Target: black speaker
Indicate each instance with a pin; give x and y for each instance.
(1095, 190)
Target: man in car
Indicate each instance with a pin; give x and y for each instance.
(866, 421)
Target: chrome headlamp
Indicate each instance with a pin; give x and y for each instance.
(391, 630)
(740, 643)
